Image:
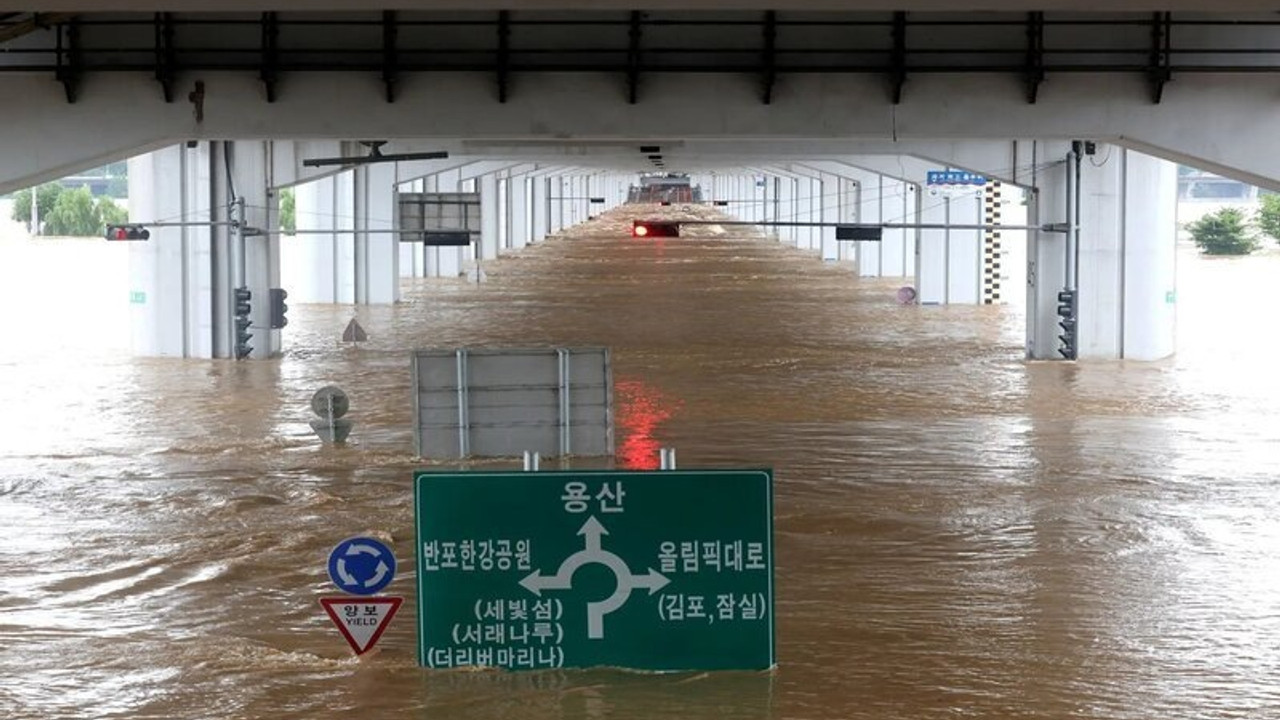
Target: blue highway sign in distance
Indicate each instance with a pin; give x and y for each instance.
(361, 566)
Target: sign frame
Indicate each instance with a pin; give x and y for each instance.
(545, 575)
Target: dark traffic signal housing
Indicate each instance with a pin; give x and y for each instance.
(127, 232)
(655, 228)
(278, 308)
(242, 307)
(1068, 340)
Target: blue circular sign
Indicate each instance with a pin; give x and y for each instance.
(361, 566)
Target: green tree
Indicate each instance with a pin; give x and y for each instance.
(1223, 233)
(109, 213)
(77, 213)
(46, 197)
(73, 214)
(1269, 216)
(288, 211)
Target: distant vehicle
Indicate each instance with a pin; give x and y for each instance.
(665, 190)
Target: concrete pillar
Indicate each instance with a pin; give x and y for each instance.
(541, 186)
(377, 257)
(829, 211)
(172, 297)
(321, 268)
(847, 202)
(519, 188)
(931, 254)
(786, 208)
(964, 250)
(489, 217)
(1127, 251)
(1148, 258)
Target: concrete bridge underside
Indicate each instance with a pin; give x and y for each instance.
(807, 113)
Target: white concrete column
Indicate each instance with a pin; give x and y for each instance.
(310, 266)
(1126, 257)
(489, 217)
(848, 200)
(519, 187)
(1149, 257)
(964, 249)
(541, 187)
(377, 267)
(786, 207)
(251, 164)
(871, 205)
(829, 210)
(172, 298)
(931, 253)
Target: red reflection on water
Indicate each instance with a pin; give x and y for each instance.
(640, 410)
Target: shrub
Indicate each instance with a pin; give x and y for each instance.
(1269, 216)
(1223, 233)
(288, 211)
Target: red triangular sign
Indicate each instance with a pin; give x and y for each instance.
(361, 619)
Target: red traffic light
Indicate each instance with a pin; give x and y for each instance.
(651, 228)
(127, 232)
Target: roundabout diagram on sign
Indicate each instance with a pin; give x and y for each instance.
(593, 552)
(361, 566)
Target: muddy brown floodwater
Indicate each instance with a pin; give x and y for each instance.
(959, 533)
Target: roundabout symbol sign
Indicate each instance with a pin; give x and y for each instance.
(361, 566)
(593, 552)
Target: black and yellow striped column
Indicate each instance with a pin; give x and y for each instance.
(991, 250)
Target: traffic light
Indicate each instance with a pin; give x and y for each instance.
(242, 321)
(127, 232)
(1067, 321)
(278, 308)
(651, 228)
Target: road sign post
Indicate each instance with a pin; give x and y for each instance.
(669, 570)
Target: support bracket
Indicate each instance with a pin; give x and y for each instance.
(769, 73)
(1159, 70)
(898, 57)
(390, 62)
(504, 54)
(166, 54)
(1035, 55)
(633, 58)
(270, 73)
(69, 63)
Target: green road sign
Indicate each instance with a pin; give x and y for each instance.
(668, 570)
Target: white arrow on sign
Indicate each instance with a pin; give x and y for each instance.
(357, 549)
(346, 577)
(379, 573)
(593, 552)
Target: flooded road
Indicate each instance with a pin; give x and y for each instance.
(959, 533)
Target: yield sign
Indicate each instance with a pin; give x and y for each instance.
(361, 619)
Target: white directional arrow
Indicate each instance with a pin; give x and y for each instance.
(356, 549)
(655, 581)
(593, 531)
(594, 552)
(382, 570)
(535, 582)
(346, 577)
